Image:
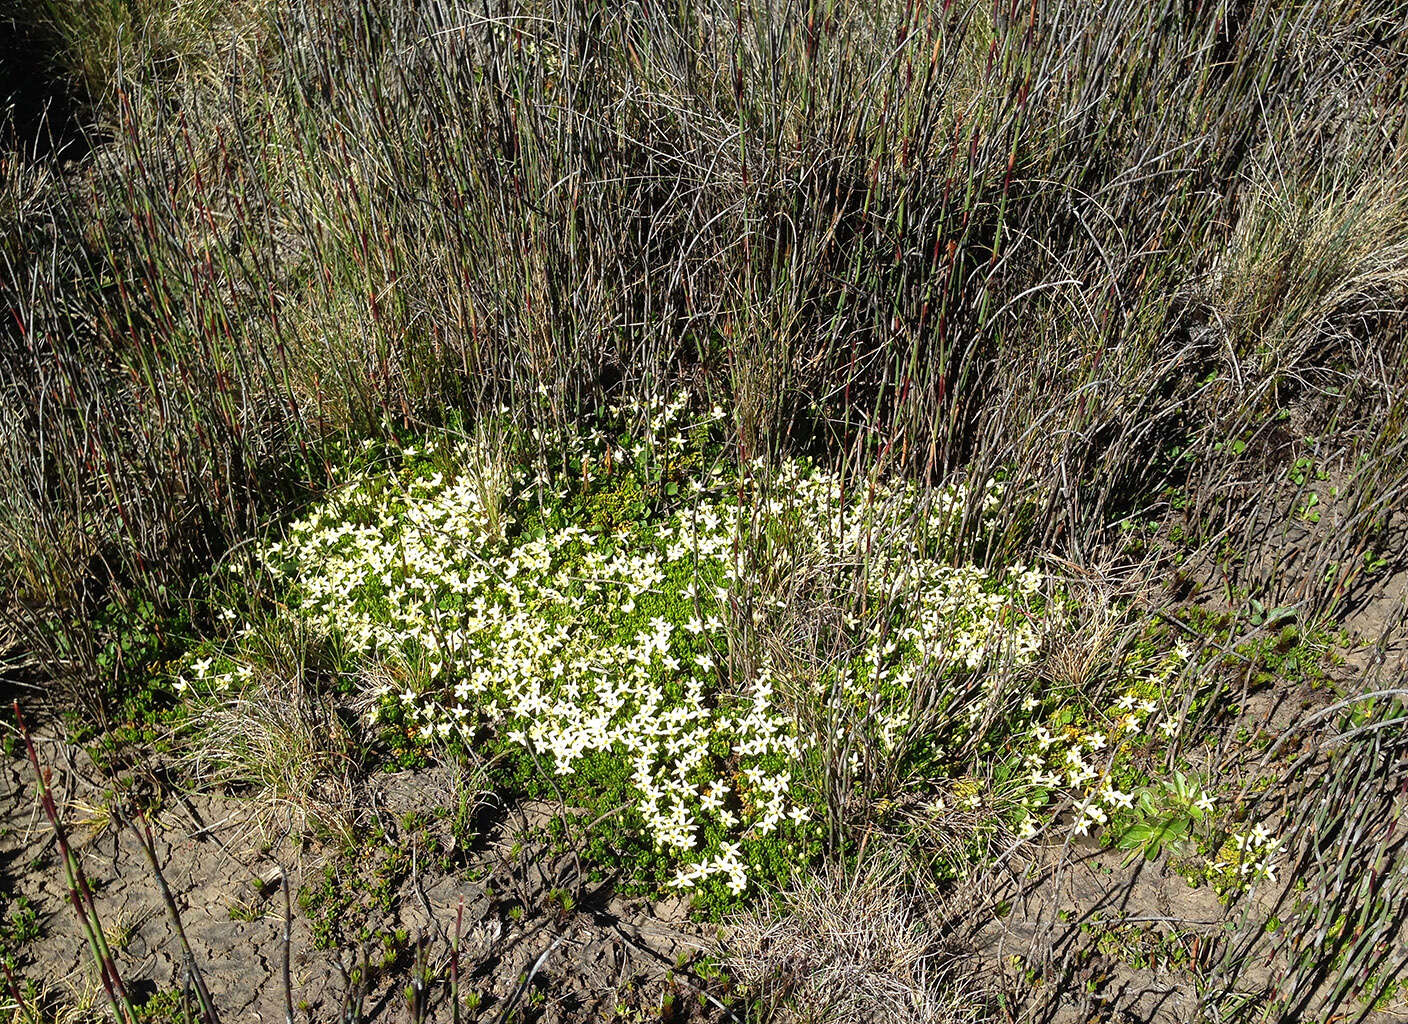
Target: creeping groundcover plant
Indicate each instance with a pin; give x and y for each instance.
(600, 622)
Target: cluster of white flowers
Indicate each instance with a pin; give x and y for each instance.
(924, 615)
(1252, 857)
(574, 641)
(207, 673)
(1080, 761)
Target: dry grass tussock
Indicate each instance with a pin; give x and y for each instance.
(856, 945)
(1091, 634)
(1315, 271)
(278, 736)
(107, 46)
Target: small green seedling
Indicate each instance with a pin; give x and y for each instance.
(1165, 819)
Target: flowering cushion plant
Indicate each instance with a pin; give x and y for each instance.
(600, 622)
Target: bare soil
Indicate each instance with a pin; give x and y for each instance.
(516, 947)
